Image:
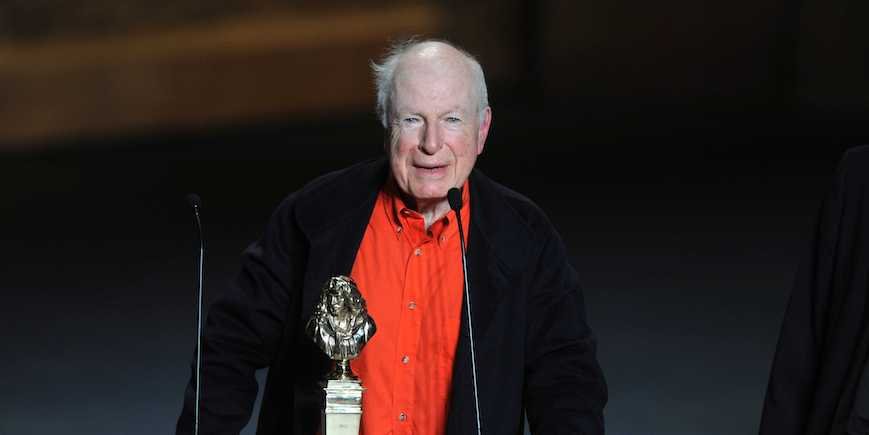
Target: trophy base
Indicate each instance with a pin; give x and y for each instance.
(343, 410)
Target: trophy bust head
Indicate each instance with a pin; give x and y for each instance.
(340, 324)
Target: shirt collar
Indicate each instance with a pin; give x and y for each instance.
(404, 218)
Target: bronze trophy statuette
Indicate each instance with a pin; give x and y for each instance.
(341, 326)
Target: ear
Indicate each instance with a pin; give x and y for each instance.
(483, 131)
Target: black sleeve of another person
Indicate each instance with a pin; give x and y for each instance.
(243, 330)
(823, 343)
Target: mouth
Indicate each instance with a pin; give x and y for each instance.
(429, 168)
(430, 171)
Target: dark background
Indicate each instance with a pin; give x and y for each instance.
(681, 149)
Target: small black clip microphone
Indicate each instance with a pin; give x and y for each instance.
(454, 197)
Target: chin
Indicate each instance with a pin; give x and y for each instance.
(432, 192)
(428, 197)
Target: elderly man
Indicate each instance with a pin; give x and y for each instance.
(388, 225)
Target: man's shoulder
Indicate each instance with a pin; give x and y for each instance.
(331, 194)
(852, 172)
(856, 161)
(514, 207)
(515, 227)
(860, 152)
(351, 179)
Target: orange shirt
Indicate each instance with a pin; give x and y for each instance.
(412, 282)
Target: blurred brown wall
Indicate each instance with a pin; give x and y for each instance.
(305, 61)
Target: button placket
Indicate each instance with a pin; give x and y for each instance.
(408, 333)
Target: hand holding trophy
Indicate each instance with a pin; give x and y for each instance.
(341, 326)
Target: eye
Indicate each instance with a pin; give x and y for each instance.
(453, 119)
(410, 120)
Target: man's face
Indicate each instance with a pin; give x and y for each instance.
(336, 304)
(436, 130)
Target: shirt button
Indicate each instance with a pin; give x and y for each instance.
(411, 305)
(398, 229)
(402, 416)
(418, 252)
(443, 238)
(405, 359)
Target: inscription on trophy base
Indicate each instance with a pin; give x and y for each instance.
(343, 410)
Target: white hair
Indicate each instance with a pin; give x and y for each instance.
(384, 76)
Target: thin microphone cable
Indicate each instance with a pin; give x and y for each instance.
(195, 202)
(454, 196)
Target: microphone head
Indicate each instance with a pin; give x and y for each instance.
(194, 201)
(454, 196)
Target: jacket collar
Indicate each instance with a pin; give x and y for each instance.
(503, 231)
(342, 201)
(339, 209)
(336, 210)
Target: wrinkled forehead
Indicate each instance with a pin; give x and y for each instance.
(446, 79)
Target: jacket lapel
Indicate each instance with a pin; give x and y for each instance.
(334, 222)
(495, 241)
(485, 293)
(499, 244)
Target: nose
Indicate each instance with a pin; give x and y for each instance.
(430, 142)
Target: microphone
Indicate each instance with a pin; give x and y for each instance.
(196, 203)
(454, 197)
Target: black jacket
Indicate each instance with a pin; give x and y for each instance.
(534, 349)
(824, 341)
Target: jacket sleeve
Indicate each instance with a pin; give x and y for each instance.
(565, 391)
(244, 328)
(794, 372)
(817, 354)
